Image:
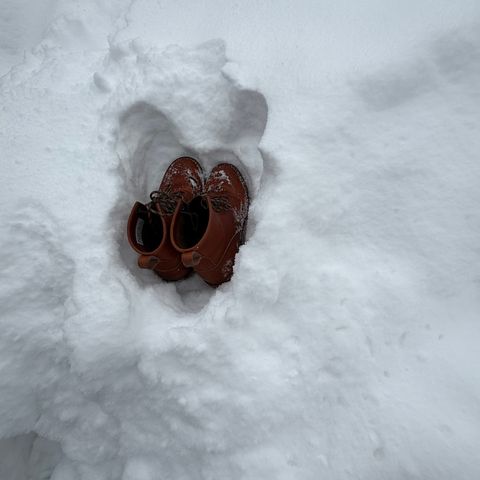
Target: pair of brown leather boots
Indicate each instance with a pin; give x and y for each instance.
(191, 224)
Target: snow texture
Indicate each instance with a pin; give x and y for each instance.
(346, 344)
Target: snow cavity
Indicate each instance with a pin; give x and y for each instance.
(174, 103)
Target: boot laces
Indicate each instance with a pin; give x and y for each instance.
(220, 203)
(163, 202)
(166, 199)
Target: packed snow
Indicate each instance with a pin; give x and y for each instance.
(346, 345)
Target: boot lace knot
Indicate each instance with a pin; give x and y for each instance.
(163, 202)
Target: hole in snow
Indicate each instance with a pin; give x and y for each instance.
(212, 123)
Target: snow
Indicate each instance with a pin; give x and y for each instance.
(346, 344)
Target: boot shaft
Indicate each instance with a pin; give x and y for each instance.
(209, 230)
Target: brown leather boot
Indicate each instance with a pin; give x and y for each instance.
(149, 225)
(209, 230)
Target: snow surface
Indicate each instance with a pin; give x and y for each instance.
(346, 344)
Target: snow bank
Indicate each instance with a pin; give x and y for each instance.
(345, 345)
